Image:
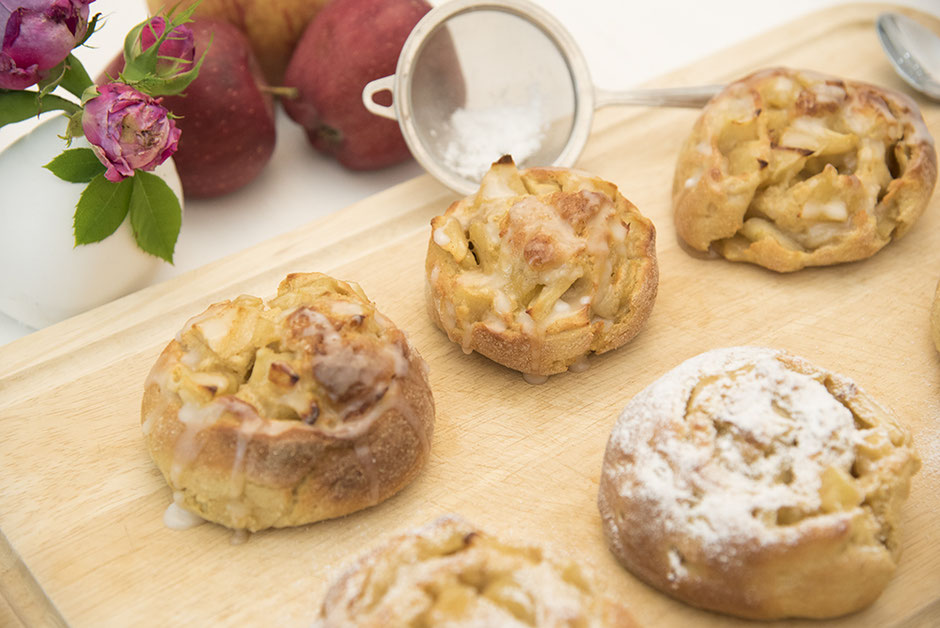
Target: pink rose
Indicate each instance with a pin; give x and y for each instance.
(177, 52)
(128, 130)
(37, 35)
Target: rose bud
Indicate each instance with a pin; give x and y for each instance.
(177, 52)
(38, 35)
(128, 130)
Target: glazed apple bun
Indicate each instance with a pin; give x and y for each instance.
(269, 414)
(449, 573)
(540, 268)
(750, 482)
(790, 168)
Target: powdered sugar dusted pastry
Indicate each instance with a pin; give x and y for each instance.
(540, 268)
(788, 168)
(449, 573)
(309, 406)
(751, 482)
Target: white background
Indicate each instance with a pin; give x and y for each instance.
(625, 42)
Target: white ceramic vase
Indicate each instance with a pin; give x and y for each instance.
(44, 278)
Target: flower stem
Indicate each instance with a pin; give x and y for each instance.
(289, 93)
(16, 105)
(76, 79)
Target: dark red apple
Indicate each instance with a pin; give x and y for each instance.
(226, 117)
(346, 45)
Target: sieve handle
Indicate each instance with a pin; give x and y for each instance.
(664, 97)
(386, 83)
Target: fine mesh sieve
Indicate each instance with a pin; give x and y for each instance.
(479, 79)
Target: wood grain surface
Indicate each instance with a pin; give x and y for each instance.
(81, 503)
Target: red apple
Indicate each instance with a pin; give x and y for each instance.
(272, 26)
(346, 45)
(226, 117)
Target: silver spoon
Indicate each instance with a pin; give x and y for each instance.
(914, 51)
(477, 79)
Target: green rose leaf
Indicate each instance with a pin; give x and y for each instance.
(76, 165)
(140, 66)
(131, 47)
(74, 128)
(53, 78)
(92, 29)
(75, 79)
(16, 105)
(156, 86)
(101, 209)
(156, 215)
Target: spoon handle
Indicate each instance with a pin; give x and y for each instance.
(693, 97)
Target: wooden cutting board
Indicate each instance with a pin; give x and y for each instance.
(81, 503)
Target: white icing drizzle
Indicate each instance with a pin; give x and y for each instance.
(580, 365)
(239, 537)
(153, 413)
(533, 379)
(178, 518)
(367, 464)
(194, 418)
(247, 429)
(336, 366)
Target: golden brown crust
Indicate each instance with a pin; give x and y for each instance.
(449, 573)
(541, 268)
(748, 481)
(788, 169)
(307, 407)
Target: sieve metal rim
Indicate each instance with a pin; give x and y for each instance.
(400, 83)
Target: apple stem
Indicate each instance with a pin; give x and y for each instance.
(289, 93)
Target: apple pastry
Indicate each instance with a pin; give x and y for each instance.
(269, 414)
(750, 482)
(448, 573)
(788, 169)
(540, 268)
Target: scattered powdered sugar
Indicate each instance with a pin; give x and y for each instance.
(715, 448)
(481, 136)
(677, 570)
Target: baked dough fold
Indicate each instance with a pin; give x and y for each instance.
(750, 482)
(790, 168)
(449, 573)
(541, 268)
(269, 414)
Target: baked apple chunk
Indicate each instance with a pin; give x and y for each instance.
(788, 169)
(540, 268)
